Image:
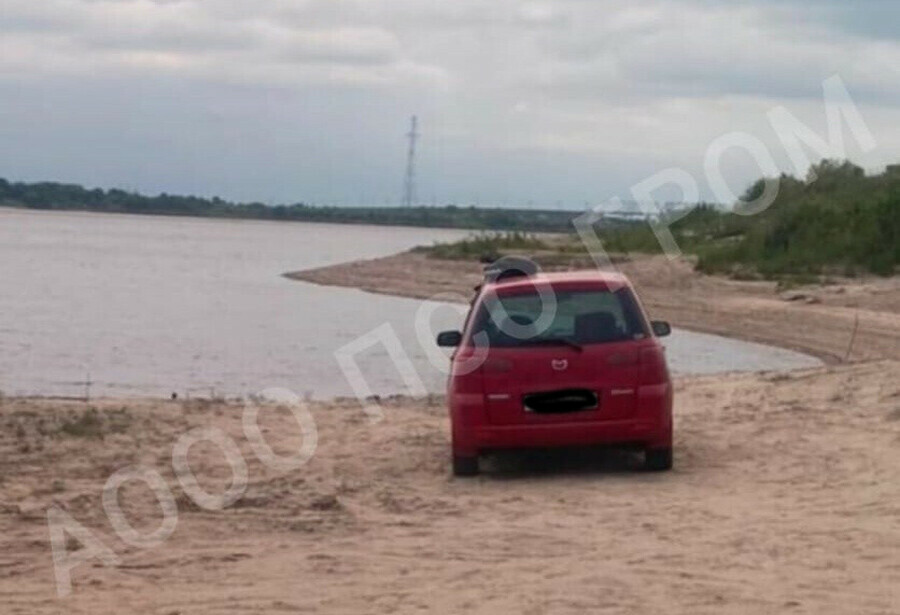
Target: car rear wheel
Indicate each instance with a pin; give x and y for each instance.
(658, 459)
(465, 466)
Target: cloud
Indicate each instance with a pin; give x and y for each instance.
(359, 46)
(206, 40)
(516, 82)
(869, 19)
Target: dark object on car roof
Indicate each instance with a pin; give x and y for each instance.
(508, 267)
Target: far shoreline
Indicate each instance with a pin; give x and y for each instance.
(368, 223)
(131, 214)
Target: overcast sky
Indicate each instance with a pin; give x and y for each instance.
(556, 103)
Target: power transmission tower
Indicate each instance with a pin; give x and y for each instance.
(409, 186)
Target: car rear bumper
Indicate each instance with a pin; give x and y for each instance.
(567, 434)
(651, 426)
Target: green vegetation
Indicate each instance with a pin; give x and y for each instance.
(842, 222)
(487, 247)
(837, 221)
(550, 252)
(693, 228)
(85, 425)
(91, 423)
(55, 196)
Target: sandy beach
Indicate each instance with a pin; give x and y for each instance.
(784, 497)
(784, 500)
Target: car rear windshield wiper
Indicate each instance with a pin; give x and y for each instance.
(558, 341)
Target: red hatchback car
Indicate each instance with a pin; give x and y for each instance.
(561, 359)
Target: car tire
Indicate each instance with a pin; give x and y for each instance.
(658, 459)
(465, 466)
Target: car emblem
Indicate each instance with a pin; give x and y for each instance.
(559, 364)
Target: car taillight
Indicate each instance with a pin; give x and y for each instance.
(653, 368)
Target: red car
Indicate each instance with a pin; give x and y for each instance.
(583, 368)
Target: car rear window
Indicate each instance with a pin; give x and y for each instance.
(581, 316)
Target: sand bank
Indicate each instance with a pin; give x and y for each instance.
(784, 499)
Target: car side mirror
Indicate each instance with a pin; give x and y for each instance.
(661, 328)
(449, 339)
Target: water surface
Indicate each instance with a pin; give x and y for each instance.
(142, 305)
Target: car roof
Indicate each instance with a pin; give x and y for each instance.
(589, 277)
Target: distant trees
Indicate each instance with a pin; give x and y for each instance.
(487, 247)
(837, 220)
(58, 196)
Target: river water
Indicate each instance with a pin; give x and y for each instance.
(121, 305)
